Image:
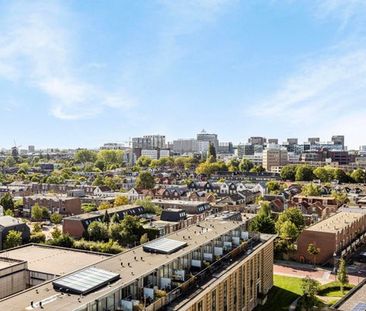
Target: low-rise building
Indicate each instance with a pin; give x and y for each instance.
(8, 223)
(335, 236)
(76, 225)
(54, 203)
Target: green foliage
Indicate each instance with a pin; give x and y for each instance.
(311, 190)
(13, 239)
(263, 224)
(56, 233)
(211, 152)
(36, 212)
(120, 200)
(358, 175)
(233, 165)
(97, 231)
(112, 182)
(64, 240)
(144, 238)
(208, 168)
(288, 231)
(309, 289)
(333, 289)
(245, 165)
(265, 208)
(85, 156)
(37, 237)
(325, 174)
(342, 276)
(6, 202)
(145, 181)
(88, 207)
(131, 230)
(10, 162)
(340, 197)
(274, 187)
(111, 247)
(100, 164)
(37, 228)
(103, 206)
(143, 161)
(98, 181)
(56, 218)
(292, 214)
(314, 251)
(257, 169)
(149, 206)
(111, 157)
(304, 173)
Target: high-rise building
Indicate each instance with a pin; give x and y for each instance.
(272, 141)
(211, 138)
(245, 149)
(31, 149)
(149, 142)
(256, 140)
(274, 157)
(313, 140)
(338, 140)
(190, 146)
(292, 141)
(225, 148)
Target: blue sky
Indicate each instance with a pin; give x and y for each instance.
(81, 73)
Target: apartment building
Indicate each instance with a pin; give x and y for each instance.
(335, 236)
(76, 225)
(54, 203)
(274, 157)
(213, 265)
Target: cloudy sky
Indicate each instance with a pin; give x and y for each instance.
(81, 73)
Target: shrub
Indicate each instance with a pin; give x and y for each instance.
(37, 237)
(56, 218)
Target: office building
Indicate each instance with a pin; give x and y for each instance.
(225, 148)
(338, 140)
(273, 141)
(245, 149)
(213, 265)
(313, 140)
(210, 138)
(255, 140)
(292, 141)
(274, 157)
(149, 142)
(31, 149)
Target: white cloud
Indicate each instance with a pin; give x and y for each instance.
(324, 94)
(38, 49)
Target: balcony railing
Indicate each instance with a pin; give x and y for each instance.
(194, 284)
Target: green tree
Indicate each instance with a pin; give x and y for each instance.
(314, 251)
(309, 289)
(13, 239)
(274, 187)
(288, 231)
(111, 157)
(358, 175)
(10, 162)
(340, 175)
(263, 224)
(211, 152)
(144, 238)
(36, 212)
(115, 218)
(311, 190)
(64, 240)
(304, 173)
(288, 172)
(145, 181)
(103, 206)
(6, 202)
(257, 169)
(100, 164)
(98, 181)
(265, 208)
(106, 218)
(85, 156)
(56, 233)
(341, 198)
(342, 276)
(132, 230)
(292, 214)
(245, 165)
(120, 200)
(325, 174)
(233, 165)
(143, 161)
(98, 231)
(56, 218)
(149, 206)
(37, 237)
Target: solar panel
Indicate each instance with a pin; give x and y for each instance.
(85, 281)
(164, 246)
(360, 307)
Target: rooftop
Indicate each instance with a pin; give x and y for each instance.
(336, 222)
(353, 298)
(102, 212)
(52, 260)
(8, 221)
(132, 264)
(179, 202)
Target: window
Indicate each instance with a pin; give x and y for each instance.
(200, 306)
(213, 300)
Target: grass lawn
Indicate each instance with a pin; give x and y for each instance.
(333, 290)
(285, 290)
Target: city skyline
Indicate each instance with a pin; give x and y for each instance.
(77, 75)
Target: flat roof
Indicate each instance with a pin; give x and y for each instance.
(99, 213)
(53, 260)
(358, 296)
(179, 202)
(8, 221)
(336, 222)
(132, 264)
(9, 262)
